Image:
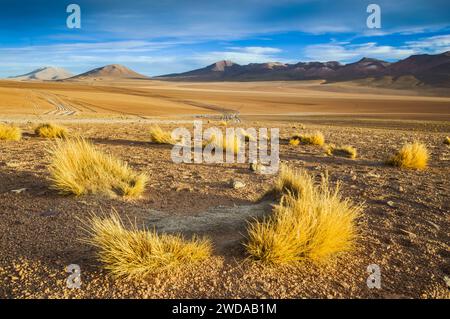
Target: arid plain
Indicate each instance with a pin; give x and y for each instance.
(403, 227)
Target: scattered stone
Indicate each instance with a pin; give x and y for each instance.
(257, 167)
(391, 203)
(238, 184)
(18, 191)
(354, 178)
(401, 189)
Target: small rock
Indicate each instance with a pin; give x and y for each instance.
(401, 189)
(391, 203)
(238, 184)
(18, 191)
(354, 178)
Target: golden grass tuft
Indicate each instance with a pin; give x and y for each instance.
(223, 123)
(10, 133)
(343, 151)
(50, 130)
(447, 140)
(413, 156)
(289, 181)
(294, 141)
(159, 136)
(227, 142)
(316, 138)
(135, 253)
(78, 168)
(312, 224)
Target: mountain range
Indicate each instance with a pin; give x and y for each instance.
(415, 71)
(48, 73)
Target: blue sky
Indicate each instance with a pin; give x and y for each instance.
(165, 36)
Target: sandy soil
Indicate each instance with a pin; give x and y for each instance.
(408, 238)
(147, 98)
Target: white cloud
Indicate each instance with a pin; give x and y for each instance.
(240, 55)
(346, 52)
(256, 50)
(350, 53)
(435, 44)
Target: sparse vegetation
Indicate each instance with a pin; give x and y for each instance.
(135, 253)
(343, 151)
(311, 223)
(227, 142)
(159, 136)
(50, 130)
(294, 141)
(414, 156)
(289, 181)
(10, 132)
(316, 138)
(79, 168)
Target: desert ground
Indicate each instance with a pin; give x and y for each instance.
(404, 227)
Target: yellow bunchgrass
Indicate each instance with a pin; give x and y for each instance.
(223, 123)
(313, 224)
(294, 141)
(50, 130)
(343, 151)
(315, 138)
(227, 142)
(289, 181)
(137, 253)
(10, 132)
(414, 155)
(159, 136)
(447, 140)
(78, 167)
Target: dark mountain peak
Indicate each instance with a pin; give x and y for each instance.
(425, 69)
(220, 66)
(110, 71)
(370, 60)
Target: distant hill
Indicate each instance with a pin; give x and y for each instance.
(112, 71)
(416, 70)
(48, 73)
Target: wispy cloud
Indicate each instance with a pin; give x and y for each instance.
(241, 55)
(347, 52)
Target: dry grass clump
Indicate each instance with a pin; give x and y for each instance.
(289, 181)
(50, 130)
(159, 136)
(10, 133)
(135, 253)
(316, 138)
(343, 151)
(413, 156)
(294, 141)
(447, 140)
(79, 168)
(227, 142)
(312, 224)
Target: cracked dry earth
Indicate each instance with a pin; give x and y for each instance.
(404, 228)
